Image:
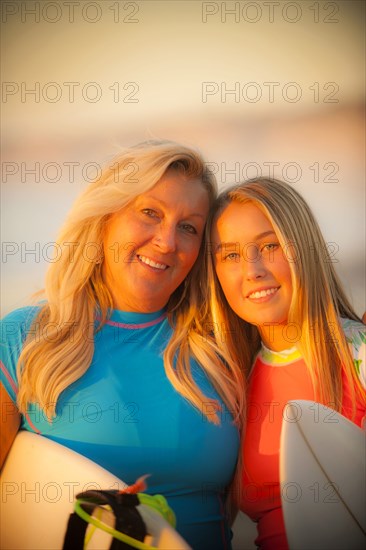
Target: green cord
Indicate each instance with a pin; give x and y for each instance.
(90, 532)
(116, 534)
(159, 503)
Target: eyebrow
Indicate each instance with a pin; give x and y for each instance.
(193, 214)
(222, 245)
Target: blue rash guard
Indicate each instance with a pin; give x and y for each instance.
(125, 415)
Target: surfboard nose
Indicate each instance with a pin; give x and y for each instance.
(323, 478)
(39, 482)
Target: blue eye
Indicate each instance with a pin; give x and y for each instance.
(232, 257)
(270, 247)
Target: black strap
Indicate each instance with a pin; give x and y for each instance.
(127, 518)
(75, 534)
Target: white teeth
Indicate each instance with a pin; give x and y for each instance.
(151, 263)
(262, 293)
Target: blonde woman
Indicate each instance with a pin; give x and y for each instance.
(279, 311)
(112, 364)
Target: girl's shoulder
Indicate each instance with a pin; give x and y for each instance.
(355, 333)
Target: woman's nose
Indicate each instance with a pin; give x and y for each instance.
(165, 237)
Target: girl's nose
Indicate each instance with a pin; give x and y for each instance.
(253, 265)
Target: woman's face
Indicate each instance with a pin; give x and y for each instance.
(151, 245)
(252, 268)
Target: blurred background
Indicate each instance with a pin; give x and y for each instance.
(261, 88)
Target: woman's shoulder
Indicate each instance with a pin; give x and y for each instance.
(18, 320)
(23, 313)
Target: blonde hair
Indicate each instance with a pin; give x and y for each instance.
(318, 300)
(60, 344)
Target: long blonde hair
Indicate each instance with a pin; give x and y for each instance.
(60, 344)
(318, 300)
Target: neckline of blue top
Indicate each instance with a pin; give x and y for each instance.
(134, 320)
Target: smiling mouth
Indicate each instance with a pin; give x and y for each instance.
(151, 263)
(262, 293)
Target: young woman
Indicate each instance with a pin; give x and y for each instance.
(112, 364)
(278, 307)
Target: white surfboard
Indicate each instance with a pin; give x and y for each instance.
(39, 481)
(323, 478)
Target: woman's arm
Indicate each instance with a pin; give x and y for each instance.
(9, 423)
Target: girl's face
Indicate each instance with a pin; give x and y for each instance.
(253, 270)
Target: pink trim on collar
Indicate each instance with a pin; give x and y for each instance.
(134, 326)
